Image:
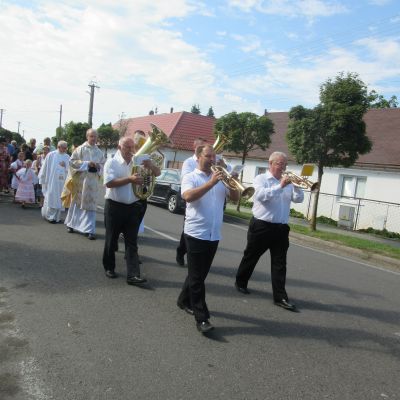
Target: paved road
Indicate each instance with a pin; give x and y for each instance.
(67, 332)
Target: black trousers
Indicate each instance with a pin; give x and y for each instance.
(181, 249)
(263, 236)
(122, 218)
(200, 255)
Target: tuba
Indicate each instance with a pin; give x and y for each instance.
(231, 183)
(219, 143)
(302, 181)
(156, 139)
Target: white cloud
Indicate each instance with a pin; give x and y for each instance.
(291, 8)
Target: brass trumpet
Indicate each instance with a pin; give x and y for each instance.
(302, 181)
(231, 183)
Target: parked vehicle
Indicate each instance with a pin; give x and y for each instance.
(167, 190)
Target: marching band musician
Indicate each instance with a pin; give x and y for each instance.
(189, 165)
(269, 229)
(202, 188)
(123, 211)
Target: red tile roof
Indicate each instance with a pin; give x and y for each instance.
(383, 129)
(181, 127)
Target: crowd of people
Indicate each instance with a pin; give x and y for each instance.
(57, 181)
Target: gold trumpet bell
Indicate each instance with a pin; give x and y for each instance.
(302, 181)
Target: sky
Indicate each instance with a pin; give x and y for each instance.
(231, 55)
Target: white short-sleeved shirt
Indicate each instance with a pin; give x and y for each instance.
(204, 216)
(114, 168)
(189, 165)
(271, 201)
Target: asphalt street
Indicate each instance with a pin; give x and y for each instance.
(68, 332)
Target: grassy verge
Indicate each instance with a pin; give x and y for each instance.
(350, 241)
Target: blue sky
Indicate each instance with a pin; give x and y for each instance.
(242, 55)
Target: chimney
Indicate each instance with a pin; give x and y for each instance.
(172, 110)
(151, 112)
(265, 111)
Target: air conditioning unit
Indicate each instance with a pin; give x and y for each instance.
(346, 216)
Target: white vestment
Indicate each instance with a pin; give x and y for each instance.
(52, 176)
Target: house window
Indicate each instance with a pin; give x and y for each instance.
(353, 186)
(261, 170)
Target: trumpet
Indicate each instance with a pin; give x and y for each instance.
(301, 181)
(231, 183)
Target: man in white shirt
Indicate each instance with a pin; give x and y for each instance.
(269, 229)
(52, 176)
(189, 165)
(123, 211)
(202, 230)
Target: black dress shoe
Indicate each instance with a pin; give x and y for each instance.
(242, 290)
(52, 221)
(185, 308)
(91, 236)
(110, 274)
(286, 305)
(180, 260)
(135, 280)
(70, 230)
(204, 326)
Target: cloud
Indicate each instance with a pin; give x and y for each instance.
(291, 8)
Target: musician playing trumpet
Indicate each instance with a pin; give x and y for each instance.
(205, 194)
(269, 229)
(123, 211)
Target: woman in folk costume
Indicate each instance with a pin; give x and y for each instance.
(4, 165)
(36, 166)
(81, 188)
(26, 181)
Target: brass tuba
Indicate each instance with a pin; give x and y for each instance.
(231, 183)
(302, 181)
(219, 143)
(156, 139)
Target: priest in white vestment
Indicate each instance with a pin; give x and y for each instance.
(52, 176)
(85, 169)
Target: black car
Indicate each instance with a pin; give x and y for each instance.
(167, 190)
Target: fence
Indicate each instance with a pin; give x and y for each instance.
(352, 212)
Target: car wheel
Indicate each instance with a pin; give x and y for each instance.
(173, 204)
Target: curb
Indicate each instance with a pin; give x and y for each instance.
(334, 248)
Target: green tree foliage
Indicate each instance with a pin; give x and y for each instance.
(210, 112)
(9, 135)
(108, 136)
(244, 132)
(333, 133)
(195, 109)
(74, 133)
(378, 101)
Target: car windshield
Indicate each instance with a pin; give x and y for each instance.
(170, 175)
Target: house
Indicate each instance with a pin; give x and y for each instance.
(365, 195)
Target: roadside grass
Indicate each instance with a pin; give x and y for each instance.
(366, 245)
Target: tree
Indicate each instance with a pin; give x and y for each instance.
(333, 133)
(210, 112)
(74, 133)
(108, 136)
(195, 109)
(11, 136)
(244, 132)
(378, 101)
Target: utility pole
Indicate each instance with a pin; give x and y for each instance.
(59, 124)
(1, 117)
(19, 123)
(92, 86)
